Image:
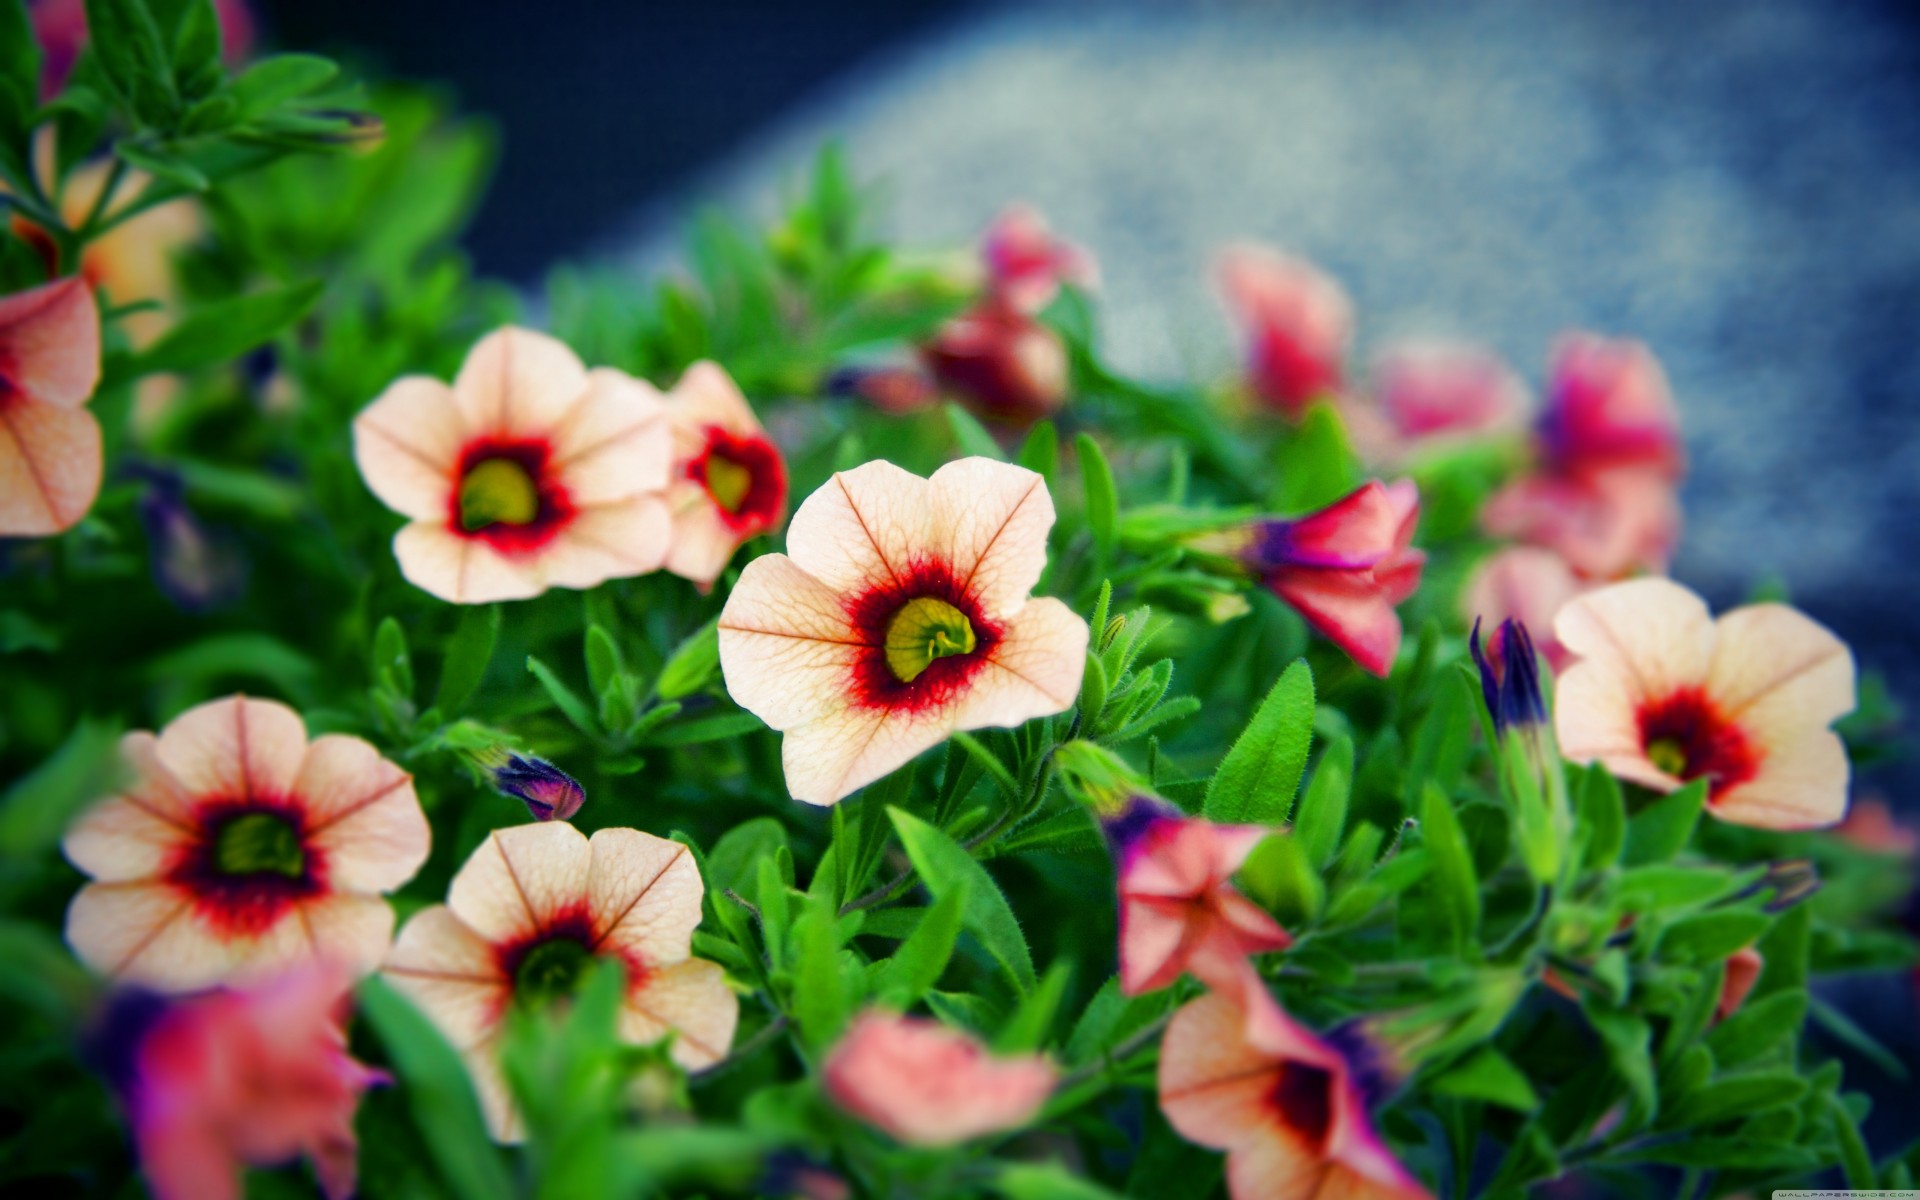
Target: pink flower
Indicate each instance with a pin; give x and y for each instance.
(530, 472)
(728, 482)
(1026, 264)
(240, 850)
(1344, 568)
(1179, 910)
(1608, 406)
(1743, 971)
(902, 615)
(1871, 825)
(1297, 323)
(1662, 694)
(1238, 1074)
(1002, 362)
(231, 1079)
(532, 907)
(49, 443)
(1524, 584)
(1603, 523)
(1426, 391)
(927, 1085)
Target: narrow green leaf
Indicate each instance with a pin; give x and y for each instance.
(819, 998)
(1028, 1028)
(1757, 1028)
(36, 810)
(1315, 465)
(990, 762)
(1711, 936)
(692, 663)
(1489, 1075)
(604, 667)
(1601, 819)
(942, 865)
(1046, 1181)
(1279, 877)
(916, 966)
(1735, 1096)
(1627, 1039)
(19, 65)
(1103, 499)
(392, 665)
(469, 652)
(1455, 885)
(564, 698)
(271, 82)
(1322, 813)
(1040, 452)
(224, 330)
(973, 438)
(711, 727)
(1256, 781)
(1662, 829)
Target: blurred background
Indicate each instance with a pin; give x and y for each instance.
(1738, 184)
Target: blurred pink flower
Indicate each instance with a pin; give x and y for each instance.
(1743, 971)
(1425, 391)
(1871, 825)
(1525, 584)
(240, 850)
(1179, 910)
(231, 1079)
(50, 450)
(60, 26)
(1297, 323)
(1002, 362)
(1662, 694)
(1609, 405)
(1026, 264)
(728, 483)
(927, 1085)
(1604, 524)
(1290, 1110)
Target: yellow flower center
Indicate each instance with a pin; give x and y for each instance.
(259, 844)
(728, 482)
(550, 971)
(498, 491)
(923, 630)
(1668, 755)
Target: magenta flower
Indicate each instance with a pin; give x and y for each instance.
(1296, 321)
(1026, 264)
(927, 1085)
(1426, 392)
(1527, 584)
(1001, 361)
(549, 793)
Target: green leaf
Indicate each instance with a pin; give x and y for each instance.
(564, 698)
(1093, 690)
(1257, 779)
(41, 974)
(1662, 829)
(1735, 1096)
(1455, 885)
(819, 1001)
(196, 50)
(1322, 814)
(1757, 1028)
(710, 727)
(943, 864)
(1030, 1024)
(1315, 465)
(1854, 1156)
(1667, 888)
(439, 1093)
(392, 665)
(917, 965)
(604, 668)
(1103, 499)
(469, 651)
(1040, 452)
(733, 863)
(989, 762)
(1489, 1075)
(224, 330)
(271, 82)
(1712, 936)
(1601, 819)
(1112, 1017)
(1279, 877)
(37, 809)
(1627, 1039)
(1734, 1153)
(973, 438)
(19, 67)
(692, 663)
(127, 43)
(1046, 1181)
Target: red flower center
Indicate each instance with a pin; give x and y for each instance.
(249, 863)
(923, 638)
(1686, 736)
(506, 493)
(1303, 1099)
(546, 966)
(745, 477)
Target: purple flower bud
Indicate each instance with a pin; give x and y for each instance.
(549, 793)
(191, 565)
(1509, 676)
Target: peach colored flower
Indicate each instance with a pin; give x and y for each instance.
(1344, 568)
(1238, 1074)
(240, 849)
(1526, 584)
(1298, 324)
(529, 472)
(531, 908)
(728, 482)
(901, 616)
(927, 1085)
(1428, 391)
(1662, 694)
(49, 443)
(1743, 971)
(1001, 361)
(230, 1079)
(1026, 264)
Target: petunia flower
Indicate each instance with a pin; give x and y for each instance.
(50, 460)
(1527, 584)
(1609, 405)
(927, 1085)
(1603, 523)
(1001, 361)
(1179, 910)
(1026, 263)
(1420, 392)
(532, 907)
(1290, 1110)
(231, 1079)
(901, 616)
(240, 849)
(549, 793)
(529, 472)
(1662, 694)
(728, 482)
(1296, 321)
(1742, 972)
(1344, 568)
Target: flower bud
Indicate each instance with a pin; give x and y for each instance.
(549, 793)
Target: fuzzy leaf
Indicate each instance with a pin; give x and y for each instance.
(1660, 830)
(570, 704)
(1103, 500)
(1322, 814)
(224, 330)
(944, 865)
(469, 652)
(917, 965)
(1256, 781)
(1455, 885)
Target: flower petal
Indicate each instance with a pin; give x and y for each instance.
(451, 974)
(50, 342)
(787, 647)
(1800, 785)
(835, 755)
(608, 541)
(235, 748)
(1775, 669)
(643, 893)
(519, 383)
(50, 463)
(702, 544)
(363, 815)
(1351, 609)
(519, 878)
(143, 931)
(989, 524)
(1213, 1085)
(1653, 633)
(615, 442)
(693, 1000)
(490, 1088)
(346, 929)
(462, 570)
(407, 444)
(862, 527)
(707, 395)
(1034, 671)
(120, 840)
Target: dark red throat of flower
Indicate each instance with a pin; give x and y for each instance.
(1303, 1099)
(252, 860)
(548, 965)
(1686, 736)
(744, 476)
(506, 493)
(923, 638)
